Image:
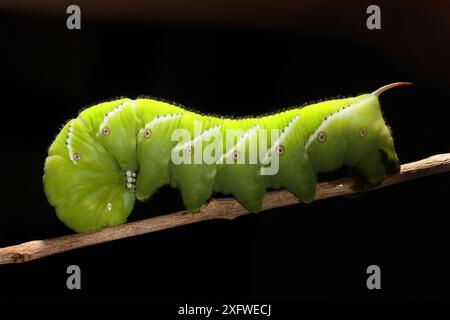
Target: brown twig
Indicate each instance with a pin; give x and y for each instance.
(227, 208)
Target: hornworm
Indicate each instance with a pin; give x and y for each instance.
(116, 152)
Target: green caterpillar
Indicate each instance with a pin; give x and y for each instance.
(117, 151)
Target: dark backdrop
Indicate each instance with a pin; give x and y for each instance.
(320, 250)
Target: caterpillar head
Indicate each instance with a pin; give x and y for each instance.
(86, 179)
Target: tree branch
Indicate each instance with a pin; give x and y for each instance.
(227, 208)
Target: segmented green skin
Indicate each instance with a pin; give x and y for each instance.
(84, 174)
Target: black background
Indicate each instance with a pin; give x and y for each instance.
(320, 250)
